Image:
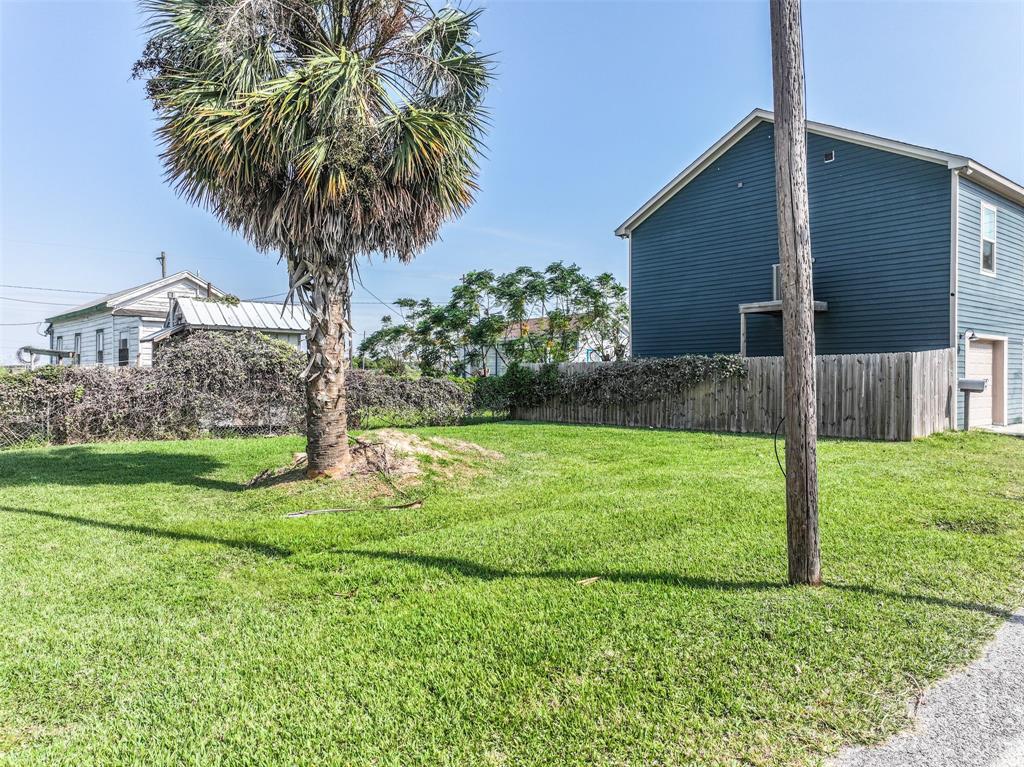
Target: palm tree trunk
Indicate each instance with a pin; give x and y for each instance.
(327, 451)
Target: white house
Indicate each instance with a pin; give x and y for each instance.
(114, 329)
(287, 323)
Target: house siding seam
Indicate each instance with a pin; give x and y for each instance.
(876, 218)
(988, 304)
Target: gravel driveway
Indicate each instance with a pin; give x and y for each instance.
(975, 718)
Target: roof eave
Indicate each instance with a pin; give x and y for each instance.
(134, 293)
(74, 314)
(762, 115)
(989, 179)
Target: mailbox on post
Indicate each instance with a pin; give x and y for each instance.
(969, 386)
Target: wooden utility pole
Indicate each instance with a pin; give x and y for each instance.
(162, 258)
(797, 292)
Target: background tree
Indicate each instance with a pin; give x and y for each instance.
(475, 310)
(322, 131)
(523, 294)
(391, 344)
(521, 316)
(604, 326)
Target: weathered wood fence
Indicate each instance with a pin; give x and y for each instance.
(895, 396)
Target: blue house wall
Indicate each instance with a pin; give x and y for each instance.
(991, 304)
(880, 238)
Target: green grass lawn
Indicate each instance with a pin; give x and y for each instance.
(154, 612)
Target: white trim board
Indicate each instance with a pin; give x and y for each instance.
(1004, 341)
(987, 206)
(970, 169)
(954, 289)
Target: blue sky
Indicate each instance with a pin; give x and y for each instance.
(596, 105)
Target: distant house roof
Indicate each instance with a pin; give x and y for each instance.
(977, 172)
(188, 313)
(114, 301)
(532, 325)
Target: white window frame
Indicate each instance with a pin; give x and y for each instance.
(101, 346)
(981, 239)
(124, 336)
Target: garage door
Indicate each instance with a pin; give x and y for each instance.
(981, 364)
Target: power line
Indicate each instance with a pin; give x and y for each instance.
(16, 324)
(53, 290)
(272, 295)
(381, 301)
(279, 295)
(75, 246)
(30, 301)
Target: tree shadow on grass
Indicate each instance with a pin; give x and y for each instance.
(484, 572)
(256, 547)
(85, 465)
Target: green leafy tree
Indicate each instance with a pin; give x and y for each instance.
(521, 316)
(324, 131)
(389, 346)
(437, 334)
(475, 311)
(523, 293)
(604, 322)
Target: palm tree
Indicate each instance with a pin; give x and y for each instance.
(324, 131)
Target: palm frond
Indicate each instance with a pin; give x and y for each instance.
(322, 130)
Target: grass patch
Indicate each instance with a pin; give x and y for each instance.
(599, 596)
(978, 522)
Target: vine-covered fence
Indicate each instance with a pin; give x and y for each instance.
(206, 384)
(897, 396)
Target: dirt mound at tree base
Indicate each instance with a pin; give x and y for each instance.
(392, 456)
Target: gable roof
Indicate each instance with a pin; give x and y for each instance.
(199, 314)
(113, 301)
(965, 165)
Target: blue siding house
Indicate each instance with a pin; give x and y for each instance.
(913, 249)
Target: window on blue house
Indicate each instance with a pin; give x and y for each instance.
(988, 238)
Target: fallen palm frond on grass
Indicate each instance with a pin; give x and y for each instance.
(417, 504)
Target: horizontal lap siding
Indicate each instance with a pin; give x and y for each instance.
(880, 240)
(112, 326)
(992, 305)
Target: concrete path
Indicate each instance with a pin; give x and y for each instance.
(1014, 429)
(974, 718)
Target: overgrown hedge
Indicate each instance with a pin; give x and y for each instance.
(634, 380)
(206, 383)
(210, 383)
